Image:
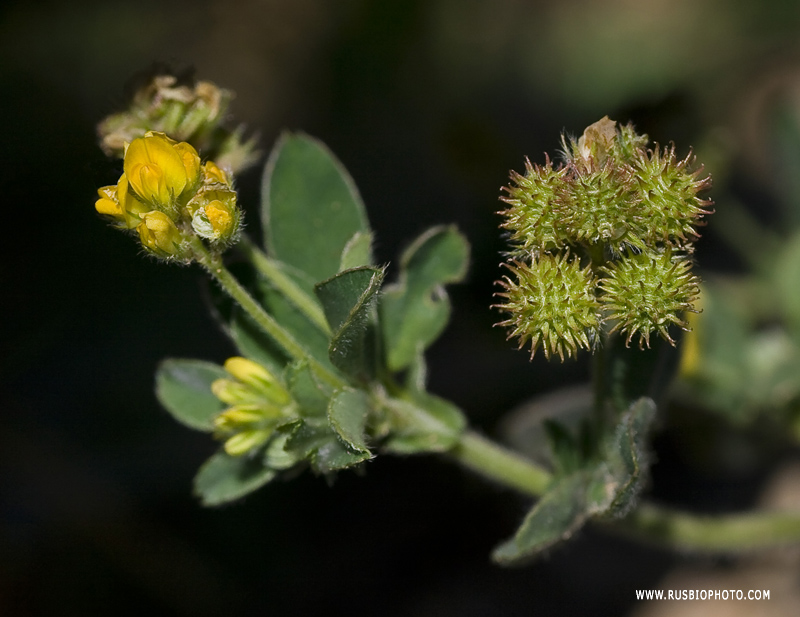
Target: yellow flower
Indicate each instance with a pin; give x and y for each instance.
(159, 170)
(259, 403)
(159, 234)
(121, 204)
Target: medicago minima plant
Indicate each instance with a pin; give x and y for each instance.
(331, 369)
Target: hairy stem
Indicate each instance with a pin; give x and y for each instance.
(272, 270)
(213, 264)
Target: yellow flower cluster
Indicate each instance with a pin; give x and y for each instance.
(258, 404)
(166, 194)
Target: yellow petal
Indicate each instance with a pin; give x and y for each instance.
(232, 392)
(190, 160)
(259, 378)
(109, 207)
(155, 170)
(212, 174)
(158, 233)
(243, 442)
(132, 205)
(220, 219)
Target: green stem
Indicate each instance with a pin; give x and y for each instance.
(674, 529)
(599, 382)
(213, 264)
(497, 463)
(272, 270)
(728, 533)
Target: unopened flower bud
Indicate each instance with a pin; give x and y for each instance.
(160, 236)
(213, 174)
(245, 441)
(258, 378)
(216, 215)
(258, 404)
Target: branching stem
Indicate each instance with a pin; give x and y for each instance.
(682, 530)
(213, 264)
(732, 533)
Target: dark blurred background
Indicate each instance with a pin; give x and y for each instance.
(428, 104)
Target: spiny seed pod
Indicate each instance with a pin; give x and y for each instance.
(611, 191)
(629, 213)
(670, 209)
(535, 220)
(602, 206)
(629, 144)
(551, 303)
(648, 292)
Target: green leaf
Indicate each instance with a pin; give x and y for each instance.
(312, 396)
(357, 252)
(348, 301)
(415, 310)
(310, 206)
(183, 387)
(564, 449)
(555, 517)
(345, 296)
(347, 415)
(224, 478)
(275, 455)
(622, 474)
(305, 332)
(316, 441)
(603, 488)
(425, 424)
